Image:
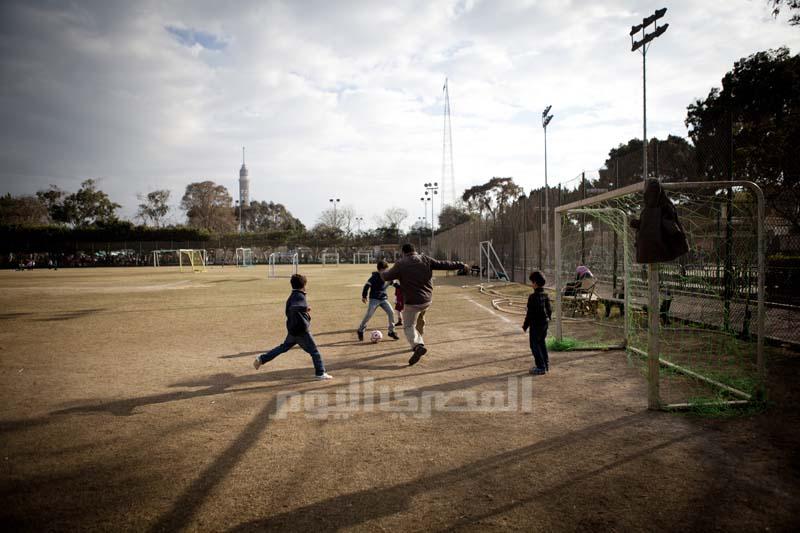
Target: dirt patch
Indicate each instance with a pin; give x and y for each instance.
(140, 410)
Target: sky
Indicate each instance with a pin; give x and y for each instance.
(343, 99)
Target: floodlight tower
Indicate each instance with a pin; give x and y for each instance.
(448, 171)
(643, 44)
(546, 118)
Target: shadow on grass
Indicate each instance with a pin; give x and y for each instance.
(358, 508)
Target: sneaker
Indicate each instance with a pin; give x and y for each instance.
(323, 376)
(419, 351)
(399, 323)
(360, 335)
(393, 335)
(257, 363)
(537, 371)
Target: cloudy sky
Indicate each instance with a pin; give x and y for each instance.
(343, 98)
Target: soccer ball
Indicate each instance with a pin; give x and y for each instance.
(375, 336)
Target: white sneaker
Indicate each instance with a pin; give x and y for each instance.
(257, 363)
(323, 377)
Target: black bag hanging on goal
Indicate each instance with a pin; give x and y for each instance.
(660, 236)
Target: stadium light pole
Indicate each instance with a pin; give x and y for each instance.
(546, 118)
(334, 201)
(643, 45)
(653, 361)
(359, 220)
(239, 208)
(421, 223)
(432, 188)
(425, 206)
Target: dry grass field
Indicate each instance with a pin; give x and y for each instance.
(129, 403)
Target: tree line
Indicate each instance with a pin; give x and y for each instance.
(747, 129)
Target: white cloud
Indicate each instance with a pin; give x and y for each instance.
(344, 98)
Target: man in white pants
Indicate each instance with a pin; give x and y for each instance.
(415, 272)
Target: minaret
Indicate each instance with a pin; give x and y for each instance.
(244, 184)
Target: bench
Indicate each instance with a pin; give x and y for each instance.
(663, 311)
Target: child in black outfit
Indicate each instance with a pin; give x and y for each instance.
(536, 318)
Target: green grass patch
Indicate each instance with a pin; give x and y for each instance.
(567, 344)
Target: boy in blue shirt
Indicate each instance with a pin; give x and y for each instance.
(536, 318)
(376, 287)
(298, 326)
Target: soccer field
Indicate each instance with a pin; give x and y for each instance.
(129, 402)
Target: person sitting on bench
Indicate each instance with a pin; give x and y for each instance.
(581, 273)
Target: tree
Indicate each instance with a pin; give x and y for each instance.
(453, 215)
(673, 159)
(208, 206)
(492, 197)
(263, 216)
(154, 207)
(83, 208)
(750, 129)
(23, 211)
(392, 217)
(340, 218)
(793, 5)
(53, 200)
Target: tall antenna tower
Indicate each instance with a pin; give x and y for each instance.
(448, 173)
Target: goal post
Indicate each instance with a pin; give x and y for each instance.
(277, 263)
(490, 263)
(192, 259)
(362, 257)
(330, 258)
(688, 320)
(243, 257)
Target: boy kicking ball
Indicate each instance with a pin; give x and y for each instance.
(298, 326)
(376, 288)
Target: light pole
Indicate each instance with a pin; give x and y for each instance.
(432, 188)
(653, 361)
(359, 220)
(546, 118)
(643, 45)
(334, 201)
(421, 223)
(239, 208)
(425, 199)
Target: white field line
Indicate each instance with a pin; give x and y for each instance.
(504, 318)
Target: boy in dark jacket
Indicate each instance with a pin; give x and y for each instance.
(376, 288)
(536, 319)
(298, 326)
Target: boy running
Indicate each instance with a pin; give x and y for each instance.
(298, 326)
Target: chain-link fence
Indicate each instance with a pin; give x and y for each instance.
(522, 234)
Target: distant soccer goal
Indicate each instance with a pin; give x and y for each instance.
(490, 265)
(243, 257)
(165, 258)
(330, 258)
(696, 324)
(192, 259)
(281, 264)
(362, 257)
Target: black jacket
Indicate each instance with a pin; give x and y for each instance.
(376, 287)
(660, 235)
(298, 321)
(415, 272)
(539, 311)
